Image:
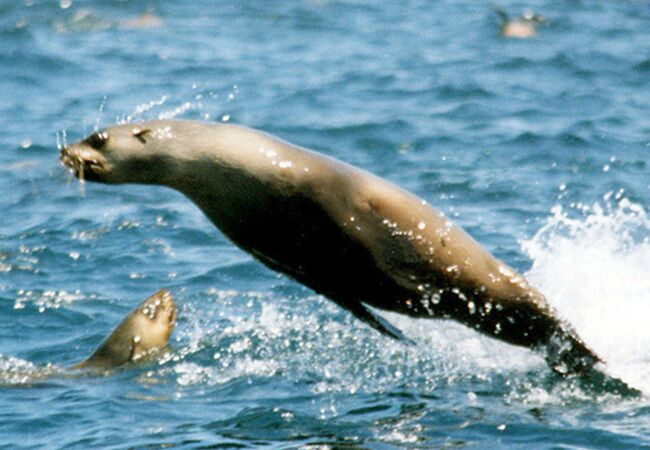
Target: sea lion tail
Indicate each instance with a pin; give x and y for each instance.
(566, 354)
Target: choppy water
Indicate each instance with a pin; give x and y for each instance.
(538, 147)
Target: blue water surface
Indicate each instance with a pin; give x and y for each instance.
(495, 132)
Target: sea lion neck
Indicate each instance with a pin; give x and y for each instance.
(232, 173)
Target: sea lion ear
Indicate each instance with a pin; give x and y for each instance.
(140, 134)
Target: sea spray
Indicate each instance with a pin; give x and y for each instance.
(592, 262)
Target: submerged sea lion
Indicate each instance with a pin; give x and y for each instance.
(347, 234)
(143, 332)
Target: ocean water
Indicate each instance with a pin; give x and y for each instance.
(538, 147)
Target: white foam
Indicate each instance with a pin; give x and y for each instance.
(45, 300)
(593, 264)
(15, 371)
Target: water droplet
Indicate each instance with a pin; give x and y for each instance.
(506, 271)
(453, 268)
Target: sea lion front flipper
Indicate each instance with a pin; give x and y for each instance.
(377, 322)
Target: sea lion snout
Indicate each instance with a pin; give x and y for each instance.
(85, 162)
(160, 308)
(157, 315)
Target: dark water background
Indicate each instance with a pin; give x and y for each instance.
(538, 147)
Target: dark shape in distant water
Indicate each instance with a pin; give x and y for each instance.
(522, 27)
(85, 20)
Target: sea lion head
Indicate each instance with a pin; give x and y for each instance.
(151, 323)
(144, 331)
(129, 153)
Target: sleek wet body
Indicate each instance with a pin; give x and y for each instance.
(347, 234)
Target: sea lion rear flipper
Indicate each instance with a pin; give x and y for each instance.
(377, 322)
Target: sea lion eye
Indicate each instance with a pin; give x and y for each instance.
(97, 140)
(139, 134)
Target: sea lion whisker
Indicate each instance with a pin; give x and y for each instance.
(59, 143)
(80, 168)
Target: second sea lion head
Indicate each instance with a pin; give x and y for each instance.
(143, 332)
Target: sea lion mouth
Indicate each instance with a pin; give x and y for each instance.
(83, 163)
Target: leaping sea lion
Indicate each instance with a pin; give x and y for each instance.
(345, 233)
